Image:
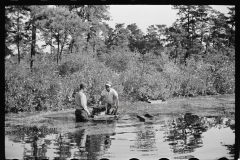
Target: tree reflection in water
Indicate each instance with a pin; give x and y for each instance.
(231, 149)
(145, 140)
(79, 144)
(63, 146)
(185, 133)
(32, 135)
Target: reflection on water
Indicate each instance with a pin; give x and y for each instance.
(184, 133)
(145, 140)
(180, 138)
(91, 146)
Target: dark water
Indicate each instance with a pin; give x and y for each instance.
(180, 138)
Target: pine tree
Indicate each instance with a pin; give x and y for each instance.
(93, 17)
(14, 28)
(61, 24)
(136, 38)
(187, 19)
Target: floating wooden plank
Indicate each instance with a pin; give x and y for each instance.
(141, 118)
(148, 115)
(146, 118)
(157, 102)
(125, 117)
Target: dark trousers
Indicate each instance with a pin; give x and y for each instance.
(81, 115)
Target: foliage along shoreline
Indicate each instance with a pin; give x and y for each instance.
(195, 56)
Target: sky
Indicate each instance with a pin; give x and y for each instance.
(146, 15)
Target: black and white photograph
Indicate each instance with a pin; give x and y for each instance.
(120, 82)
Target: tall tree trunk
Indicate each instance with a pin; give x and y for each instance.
(18, 38)
(94, 45)
(62, 45)
(51, 48)
(188, 19)
(188, 35)
(192, 34)
(202, 30)
(230, 36)
(93, 49)
(58, 41)
(18, 48)
(229, 39)
(88, 38)
(71, 46)
(206, 52)
(33, 42)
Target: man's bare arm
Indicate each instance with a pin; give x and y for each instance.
(84, 104)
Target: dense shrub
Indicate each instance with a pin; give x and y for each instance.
(134, 76)
(158, 77)
(29, 91)
(194, 78)
(117, 60)
(143, 79)
(68, 68)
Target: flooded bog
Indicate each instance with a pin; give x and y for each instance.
(179, 138)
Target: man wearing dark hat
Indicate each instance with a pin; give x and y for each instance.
(82, 113)
(110, 96)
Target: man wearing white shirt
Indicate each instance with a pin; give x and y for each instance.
(110, 96)
(82, 113)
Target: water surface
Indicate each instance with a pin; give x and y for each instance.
(183, 137)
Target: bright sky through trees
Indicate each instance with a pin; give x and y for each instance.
(146, 15)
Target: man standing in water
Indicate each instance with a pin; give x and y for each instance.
(82, 113)
(111, 98)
